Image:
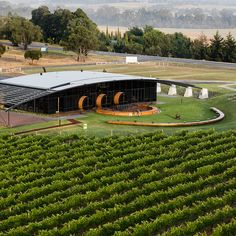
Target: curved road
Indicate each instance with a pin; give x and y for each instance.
(144, 58)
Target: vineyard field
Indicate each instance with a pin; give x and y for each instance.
(149, 184)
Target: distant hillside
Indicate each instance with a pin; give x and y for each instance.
(21, 10)
(128, 13)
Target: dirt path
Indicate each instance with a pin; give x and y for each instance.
(227, 86)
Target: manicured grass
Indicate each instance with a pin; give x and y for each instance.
(6, 130)
(191, 109)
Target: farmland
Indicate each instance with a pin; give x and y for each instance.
(14, 58)
(141, 185)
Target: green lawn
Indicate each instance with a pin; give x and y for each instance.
(6, 130)
(191, 109)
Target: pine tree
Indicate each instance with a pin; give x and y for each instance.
(107, 31)
(199, 48)
(126, 37)
(216, 48)
(118, 33)
(230, 49)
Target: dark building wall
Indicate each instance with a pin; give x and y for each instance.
(134, 90)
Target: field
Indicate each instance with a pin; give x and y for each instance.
(15, 58)
(171, 71)
(192, 33)
(138, 185)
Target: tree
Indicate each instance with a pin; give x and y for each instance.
(59, 22)
(180, 45)
(2, 23)
(120, 46)
(134, 48)
(199, 48)
(216, 48)
(39, 15)
(54, 25)
(82, 35)
(33, 55)
(29, 33)
(81, 40)
(229, 48)
(155, 42)
(11, 30)
(104, 42)
(20, 30)
(135, 35)
(2, 50)
(42, 17)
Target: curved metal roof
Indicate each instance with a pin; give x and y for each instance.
(58, 81)
(18, 90)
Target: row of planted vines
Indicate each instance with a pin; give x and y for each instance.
(151, 184)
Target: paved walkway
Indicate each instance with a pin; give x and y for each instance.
(72, 123)
(220, 117)
(15, 119)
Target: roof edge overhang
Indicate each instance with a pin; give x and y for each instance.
(51, 91)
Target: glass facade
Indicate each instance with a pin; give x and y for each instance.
(67, 100)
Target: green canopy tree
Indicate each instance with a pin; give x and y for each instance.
(135, 48)
(61, 20)
(2, 50)
(104, 42)
(80, 41)
(229, 48)
(216, 48)
(180, 45)
(120, 45)
(41, 17)
(33, 55)
(156, 43)
(11, 30)
(82, 35)
(199, 48)
(20, 30)
(2, 23)
(135, 35)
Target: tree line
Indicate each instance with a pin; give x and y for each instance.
(150, 41)
(165, 17)
(72, 30)
(75, 31)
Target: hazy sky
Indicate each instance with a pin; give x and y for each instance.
(84, 2)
